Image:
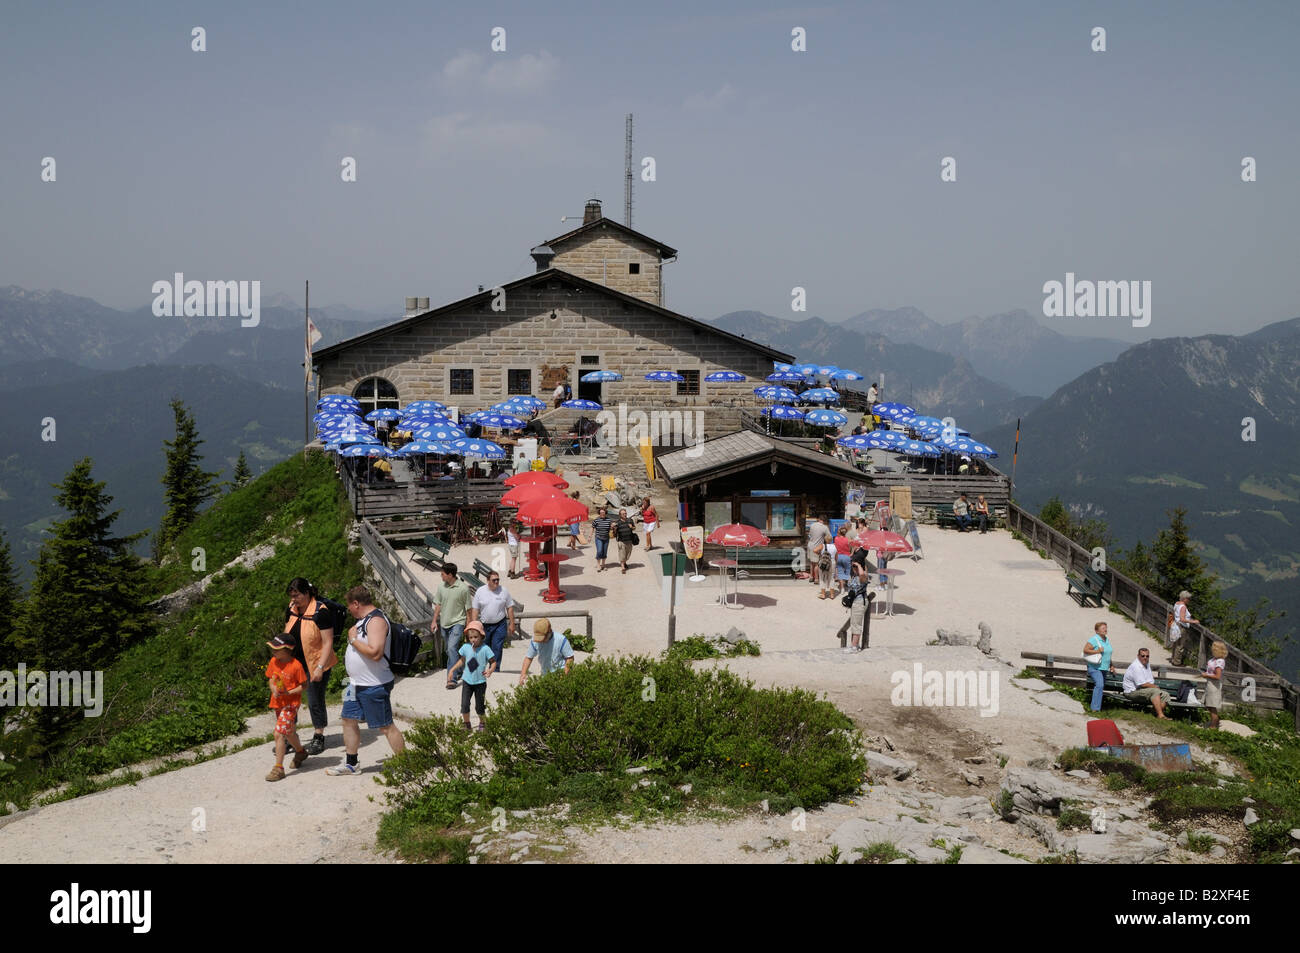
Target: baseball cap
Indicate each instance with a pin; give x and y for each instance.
(281, 642)
(541, 628)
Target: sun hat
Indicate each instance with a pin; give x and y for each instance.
(474, 626)
(541, 629)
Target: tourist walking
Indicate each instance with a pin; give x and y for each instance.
(982, 513)
(843, 552)
(552, 651)
(1214, 680)
(451, 604)
(860, 603)
(494, 610)
(285, 677)
(513, 531)
(479, 662)
(600, 530)
(650, 521)
(575, 529)
(819, 537)
(1096, 652)
(368, 695)
(625, 533)
(310, 624)
(1180, 623)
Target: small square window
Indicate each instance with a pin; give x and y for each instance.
(519, 381)
(460, 380)
(634, 268)
(691, 386)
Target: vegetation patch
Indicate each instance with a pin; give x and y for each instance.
(701, 647)
(692, 739)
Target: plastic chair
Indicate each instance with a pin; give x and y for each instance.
(1102, 731)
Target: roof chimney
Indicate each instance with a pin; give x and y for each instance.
(592, 212)
(543, 254)
(410, 307)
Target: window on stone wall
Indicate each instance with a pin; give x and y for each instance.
(634, 268)
(375, 393)
(460, 381)
(691, 386)
(519, 381)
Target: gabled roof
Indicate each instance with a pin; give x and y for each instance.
(664, 250)
(549, 274)
(744, 450)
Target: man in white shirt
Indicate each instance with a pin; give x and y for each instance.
(1140, 684)
(494, 607)
(819, 537)
(559, 393)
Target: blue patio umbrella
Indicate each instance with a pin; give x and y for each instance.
(510, 407)
(333, 433)
(599, 377)
(919, 421)
(350, 437)
(439, 433)
(918, 448)
(778, 366)
(485, 449)
(826, 370)
(775, 392)
(338, 399)
(784, 377)
(427, 446)
(339, 415)
(781, 412)
(384, 413)
(579, 403)
(862, 441)
(502, 422)
(805, 370)
(426, 419)
(671, 376)
(423, 405)
(527, 400)
(846, 375)
(965, 445)
(893, 410)
(825, 418)
(364, 450)
(890, 438)
(819, 395)
(725, 377)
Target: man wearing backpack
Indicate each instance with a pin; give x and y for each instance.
(368, 694)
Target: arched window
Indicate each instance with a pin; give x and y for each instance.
(375, 393)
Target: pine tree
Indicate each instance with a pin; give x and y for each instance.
(1178, 567)
(87, 602)
(242, 473)
(10, 604)
(188, 486)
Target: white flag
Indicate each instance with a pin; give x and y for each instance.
(313, 335)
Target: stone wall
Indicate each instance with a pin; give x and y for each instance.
(603, 255)
(551, 324)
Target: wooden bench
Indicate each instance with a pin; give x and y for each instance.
(749, 561)
(1089, 586)
(471, 580)
(433, 553)
(482, 570)
(1076, 674)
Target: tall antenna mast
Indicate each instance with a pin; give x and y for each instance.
(627, 176)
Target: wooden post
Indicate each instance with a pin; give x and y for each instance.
(1137, 613)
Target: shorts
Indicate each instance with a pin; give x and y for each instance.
(624, 551)
(514, 550)
(651, 526)
(476, 692)
(1146, 694)
(371, 705)
(286, 720)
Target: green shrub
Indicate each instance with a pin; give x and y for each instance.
(581, 643)
(701, 647)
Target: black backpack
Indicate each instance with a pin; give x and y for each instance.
(402, 646)
(341, 618)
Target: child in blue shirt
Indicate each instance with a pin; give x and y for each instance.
(479, 661)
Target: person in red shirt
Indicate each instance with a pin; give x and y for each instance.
(285, 677)
(843, 550)
(650, 521)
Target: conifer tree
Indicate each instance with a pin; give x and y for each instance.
(242, 473)
(187, 485)
(87, 602)
(10, 604)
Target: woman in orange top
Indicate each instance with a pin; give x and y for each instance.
(311, 624)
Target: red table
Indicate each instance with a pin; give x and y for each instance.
(533, 573)
(553, 591)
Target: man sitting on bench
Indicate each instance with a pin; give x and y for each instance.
(961, 510)
(1140, 684)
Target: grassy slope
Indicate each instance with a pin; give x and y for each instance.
(201, 675)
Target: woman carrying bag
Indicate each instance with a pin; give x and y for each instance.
(311, 625)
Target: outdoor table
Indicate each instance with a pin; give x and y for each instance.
(553, 592)
(888, 575)
(532, 573)
(722, 565)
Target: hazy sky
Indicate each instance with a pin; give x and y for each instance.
(775, 168)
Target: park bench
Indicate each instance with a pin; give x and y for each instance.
(471, 580)
(749, 561)
(947, 519)
(482, 570)
(1076, 675)
(434, 552)
(1089, 586)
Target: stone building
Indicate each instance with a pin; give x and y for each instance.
(594, 303)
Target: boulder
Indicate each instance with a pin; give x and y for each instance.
(975, 854)
(1119, 848)
(1236, 728)
(1251, 817)
(883, 764)
(1035, 791)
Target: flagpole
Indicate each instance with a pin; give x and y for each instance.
(1014, 454)
(306, 385)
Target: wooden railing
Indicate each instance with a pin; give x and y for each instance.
(1148, 610)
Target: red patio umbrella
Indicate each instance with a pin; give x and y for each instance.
(884, 541)
(736, 535)
(552, 511)
(519, 495)
(542, 477)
